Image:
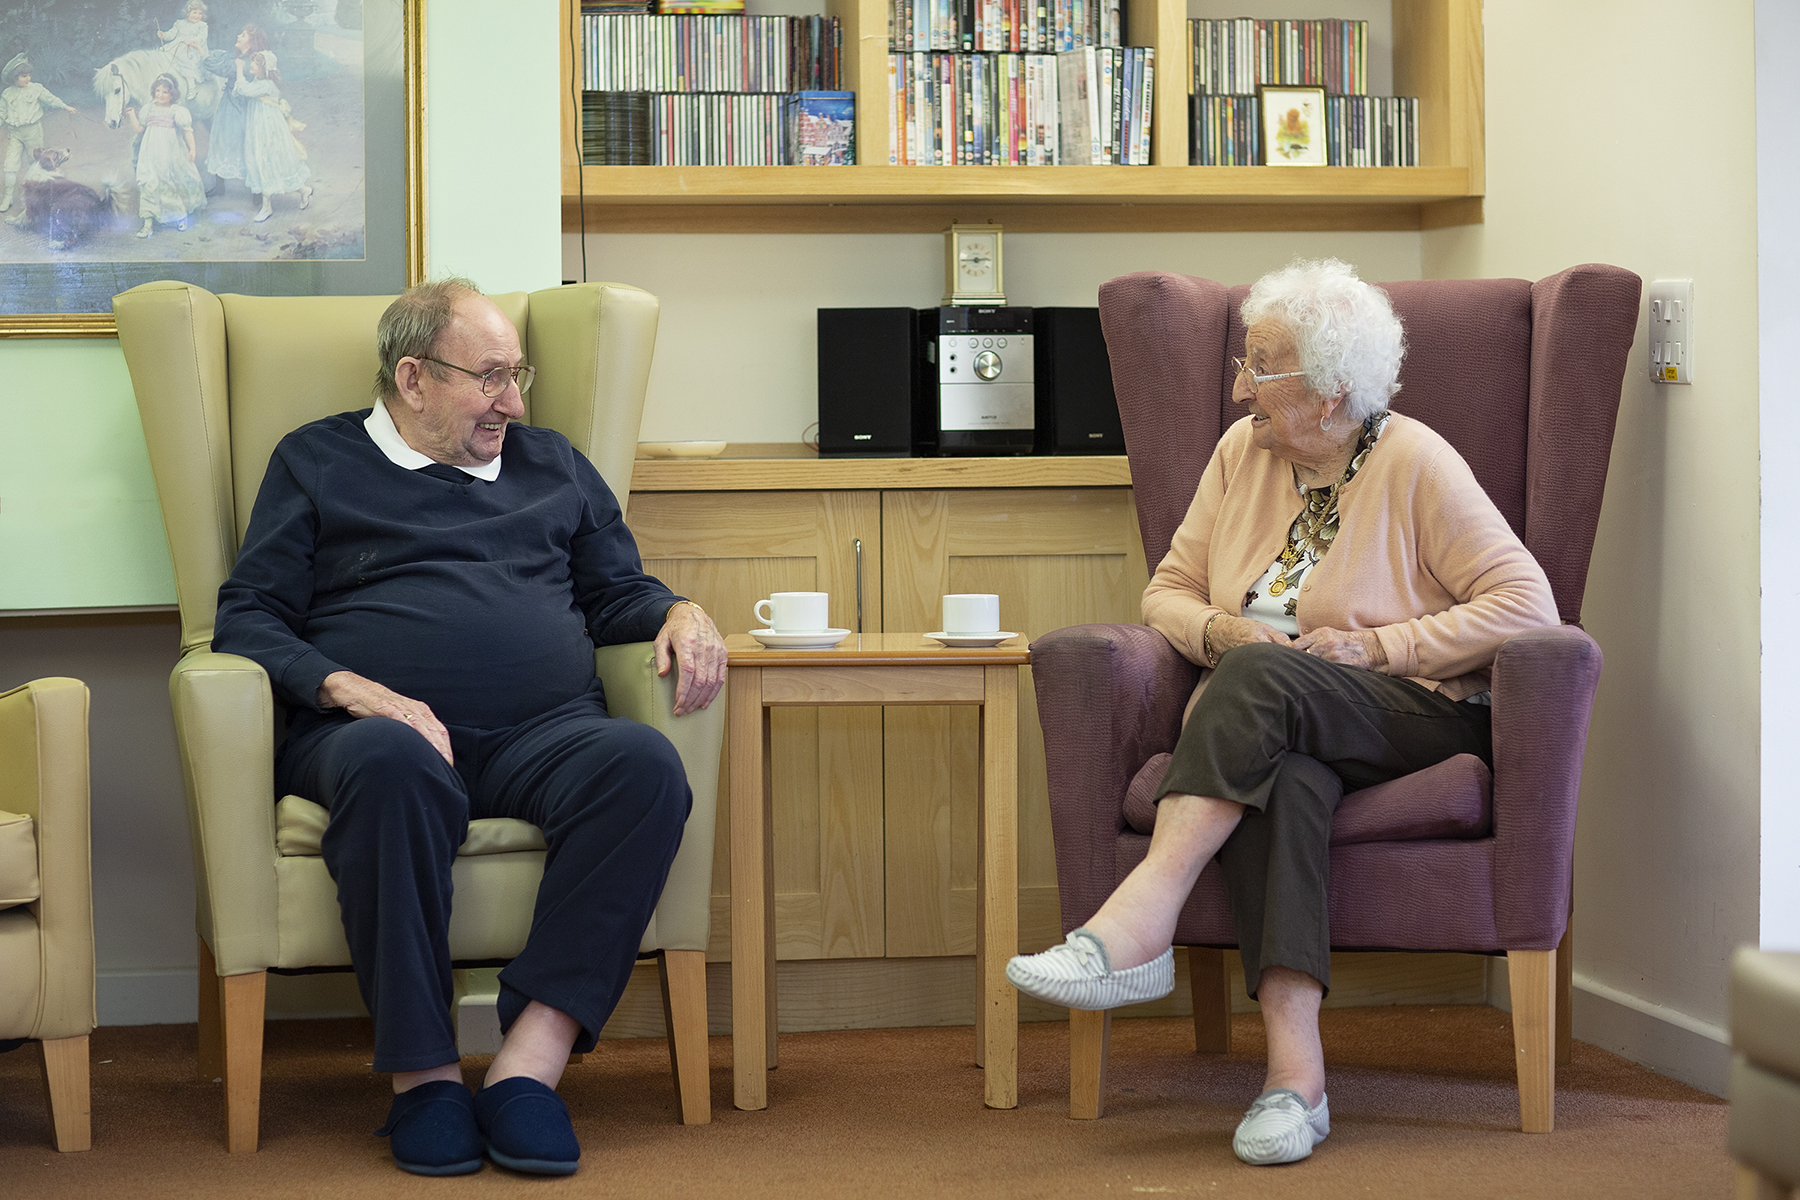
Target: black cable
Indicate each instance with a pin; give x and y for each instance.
(580, 138)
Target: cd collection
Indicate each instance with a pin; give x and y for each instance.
(1360, 131)
(1231, 56)
(1089, 106)
(1003, 26)
(667, 129)
(710, 53)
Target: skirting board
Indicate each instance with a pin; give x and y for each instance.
(1668, 1042)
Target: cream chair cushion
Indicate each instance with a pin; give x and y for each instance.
(18, 861)
(300, 826)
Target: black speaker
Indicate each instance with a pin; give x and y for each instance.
(873, 379)
(1077, 412)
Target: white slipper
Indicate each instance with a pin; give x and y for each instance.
(1279, 1128)
(1075, 974)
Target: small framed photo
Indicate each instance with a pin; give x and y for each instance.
(1293, 126)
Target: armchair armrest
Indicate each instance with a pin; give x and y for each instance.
(683, 917)
(1543, 692)
(1109, 697)
(225, 726)
(44, 742)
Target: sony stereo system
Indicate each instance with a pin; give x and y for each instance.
(965, 380)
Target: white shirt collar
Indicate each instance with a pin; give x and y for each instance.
(381, 430)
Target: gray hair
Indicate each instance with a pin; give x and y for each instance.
(1345, 331)
(412, 325)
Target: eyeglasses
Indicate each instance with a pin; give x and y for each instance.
(493, 383)
(1256, 380)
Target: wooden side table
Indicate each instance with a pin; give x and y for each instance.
(878, 668)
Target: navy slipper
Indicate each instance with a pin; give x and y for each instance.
(526, 1127)
(433, 1130)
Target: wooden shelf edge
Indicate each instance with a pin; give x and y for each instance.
(1023, 185)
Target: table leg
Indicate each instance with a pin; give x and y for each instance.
(749, 895)
(997, 899)
(771, 1010)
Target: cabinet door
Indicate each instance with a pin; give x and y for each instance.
(1055, 558)
(728, 550)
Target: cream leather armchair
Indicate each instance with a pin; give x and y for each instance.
(220, 380)
(47, 891)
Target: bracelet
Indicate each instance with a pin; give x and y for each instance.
(672, 608)
(1205, 634)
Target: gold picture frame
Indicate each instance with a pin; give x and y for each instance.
(394, 229)
(1293, 125)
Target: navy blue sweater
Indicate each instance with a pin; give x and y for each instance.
(484, 600)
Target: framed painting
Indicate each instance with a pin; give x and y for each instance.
(268, 147)
(1293, 126)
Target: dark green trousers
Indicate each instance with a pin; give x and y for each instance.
(1286, 734)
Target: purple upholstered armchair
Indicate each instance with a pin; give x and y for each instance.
(1523, 379)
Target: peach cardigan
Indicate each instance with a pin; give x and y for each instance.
(1422, 557)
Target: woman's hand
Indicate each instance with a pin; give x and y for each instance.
(1352, 647)
(1226, 631)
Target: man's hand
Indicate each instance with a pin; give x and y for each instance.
(690, 642)
(365, 698)
(1352, 647)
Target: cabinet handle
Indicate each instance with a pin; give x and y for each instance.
(859, 619)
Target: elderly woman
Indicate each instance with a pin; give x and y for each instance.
(1347, 583)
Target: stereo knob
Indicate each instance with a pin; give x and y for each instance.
(987, 365)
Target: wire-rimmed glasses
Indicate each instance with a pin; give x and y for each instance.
(1256, 381)
(494, 381)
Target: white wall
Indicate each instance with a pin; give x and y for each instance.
(1608, 140)
(1778, 322)
(736, 352)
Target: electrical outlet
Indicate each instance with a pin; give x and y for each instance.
(1672, 331)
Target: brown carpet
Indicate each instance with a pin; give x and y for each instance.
(1423, 1104)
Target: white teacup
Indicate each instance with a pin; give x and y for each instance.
(795, 612)
(969, 614)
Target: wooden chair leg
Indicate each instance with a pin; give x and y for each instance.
(1209, 979)
(1565, 1013)
(1754, 1185)
(212, 1030)
(684, 1011)
(66, 1085)
(241, 1001)
(1532, 975)
(1088, 1035)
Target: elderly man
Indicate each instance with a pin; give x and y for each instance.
(428, 615)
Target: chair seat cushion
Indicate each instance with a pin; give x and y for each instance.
(300, 824)
(1449, 800)
(18, 860)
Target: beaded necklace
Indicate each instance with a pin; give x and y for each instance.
(1313, 531)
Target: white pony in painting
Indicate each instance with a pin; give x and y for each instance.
(126, 81)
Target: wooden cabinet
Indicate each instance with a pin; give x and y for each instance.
(1437, 57)
(874, 808)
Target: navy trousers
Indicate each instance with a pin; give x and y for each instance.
(611, 797)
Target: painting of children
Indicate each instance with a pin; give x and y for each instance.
(169, 186)
(22, 106)
(235, 135)
(186, 41)
(274, 163)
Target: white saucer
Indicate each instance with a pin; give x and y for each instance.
(969, 640)
(822, 639)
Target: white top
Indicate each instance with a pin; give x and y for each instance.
(1273, 610)
(381, 430)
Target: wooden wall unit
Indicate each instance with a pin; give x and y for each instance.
(1437, 57)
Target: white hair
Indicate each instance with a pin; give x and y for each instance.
(1345, 331)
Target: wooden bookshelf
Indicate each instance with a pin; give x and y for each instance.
(1437, 57)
